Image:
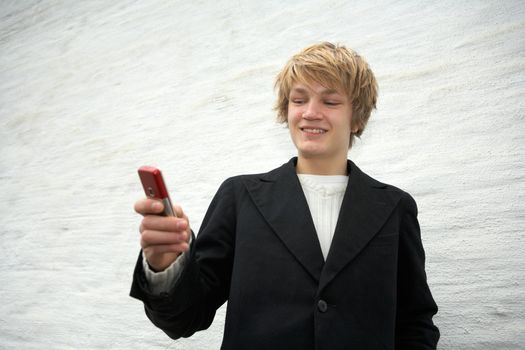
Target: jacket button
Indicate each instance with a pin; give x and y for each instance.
(322, 306)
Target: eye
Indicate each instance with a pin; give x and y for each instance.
(332, 103)
(297, 101)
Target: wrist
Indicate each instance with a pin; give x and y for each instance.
(164, 264)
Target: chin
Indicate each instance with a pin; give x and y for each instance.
(311, 154)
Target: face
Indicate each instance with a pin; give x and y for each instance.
(319, 119)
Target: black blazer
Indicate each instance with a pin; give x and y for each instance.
(258, 250)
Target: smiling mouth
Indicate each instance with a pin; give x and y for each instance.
(313, 130)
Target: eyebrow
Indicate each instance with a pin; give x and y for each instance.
(301, 90)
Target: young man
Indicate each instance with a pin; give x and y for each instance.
(312, 255)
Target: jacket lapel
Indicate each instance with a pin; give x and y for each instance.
(366, 206)
(281, 201)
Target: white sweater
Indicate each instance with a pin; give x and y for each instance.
(324, 195)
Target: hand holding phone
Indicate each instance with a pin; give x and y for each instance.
(164, 235)
(154, 187)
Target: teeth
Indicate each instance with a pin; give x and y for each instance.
(314, 131)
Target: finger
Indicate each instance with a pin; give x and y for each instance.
(164, 223)
(148, 206)
(177, 209)
(153, 238)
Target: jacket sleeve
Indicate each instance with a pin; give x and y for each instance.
(415, 305)
(204, 283)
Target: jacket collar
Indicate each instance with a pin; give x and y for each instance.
(366, 205)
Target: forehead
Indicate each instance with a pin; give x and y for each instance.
(313, 88)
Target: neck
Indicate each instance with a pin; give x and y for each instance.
(321, 166)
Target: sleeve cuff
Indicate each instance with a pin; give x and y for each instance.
(163, 281)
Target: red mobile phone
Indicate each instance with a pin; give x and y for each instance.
(154, 187)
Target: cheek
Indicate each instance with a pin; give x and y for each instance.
(293, 116)
(346, 121)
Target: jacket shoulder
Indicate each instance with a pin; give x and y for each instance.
(268, 176)
(405, 198)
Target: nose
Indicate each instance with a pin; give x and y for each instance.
(311, 110)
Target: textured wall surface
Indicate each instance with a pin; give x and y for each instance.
(91, 90)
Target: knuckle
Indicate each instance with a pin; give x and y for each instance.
(147, 238)
(143, 244)
(141, 206)
(146, 222)
(138, 207)
(151, 221)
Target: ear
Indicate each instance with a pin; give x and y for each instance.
(354, 128)
(354, 124)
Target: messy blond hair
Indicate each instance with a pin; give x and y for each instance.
(335, 67)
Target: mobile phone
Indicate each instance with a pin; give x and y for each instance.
(154, 187)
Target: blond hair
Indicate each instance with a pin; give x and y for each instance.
(335, 67)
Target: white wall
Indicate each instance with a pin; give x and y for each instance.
(91, 90)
